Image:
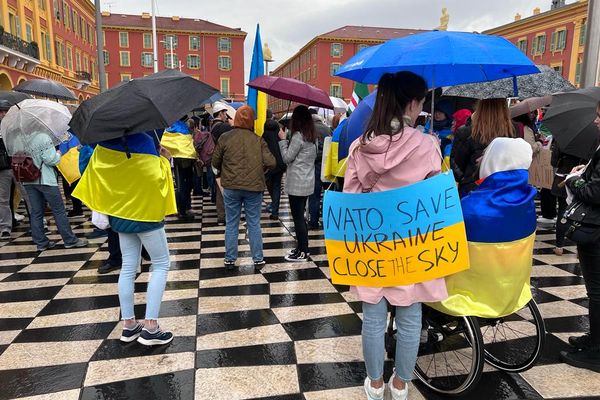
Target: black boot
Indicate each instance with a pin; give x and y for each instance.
(588, 358)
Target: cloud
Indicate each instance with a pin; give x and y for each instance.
(289, 25)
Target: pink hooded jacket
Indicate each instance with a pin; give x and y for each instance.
(380, 165)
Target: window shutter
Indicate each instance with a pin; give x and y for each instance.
(553, 41)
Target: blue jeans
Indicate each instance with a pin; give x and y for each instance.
(252, 201)
(408, 323)
(131, 248)
(314, 200)
(38, 196)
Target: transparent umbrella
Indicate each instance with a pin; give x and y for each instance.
(31, 117)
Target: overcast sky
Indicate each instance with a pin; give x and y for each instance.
(287, 25)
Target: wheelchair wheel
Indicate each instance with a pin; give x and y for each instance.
(451, 361)
(514, 343)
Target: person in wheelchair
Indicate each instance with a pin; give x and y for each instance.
(500, 221)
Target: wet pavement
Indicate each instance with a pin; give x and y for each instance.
(283, 333)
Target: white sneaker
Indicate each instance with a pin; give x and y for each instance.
(397, 394)
(19, 217)
(372, 393)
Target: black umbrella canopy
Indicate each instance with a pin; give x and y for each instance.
(45, 88)
(13, 97)
(152, 102)
(571, 117)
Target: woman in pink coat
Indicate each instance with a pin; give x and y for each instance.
(392, 154)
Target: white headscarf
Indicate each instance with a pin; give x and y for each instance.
(505, 154)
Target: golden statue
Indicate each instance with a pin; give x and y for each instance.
(444, 19)
(267, 53)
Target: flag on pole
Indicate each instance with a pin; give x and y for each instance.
(257, 100)
(361, 91)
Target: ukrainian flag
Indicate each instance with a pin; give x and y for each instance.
(333, 166)
(258, 100)
(69, 160)
(126, 178)
(500, 221)
(179, 141)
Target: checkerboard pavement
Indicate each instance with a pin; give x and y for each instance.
(283, 333)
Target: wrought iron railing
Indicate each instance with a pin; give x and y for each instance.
(20, 45)
(83, 76)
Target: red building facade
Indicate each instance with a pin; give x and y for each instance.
(555, 38)
(317, 62)
(52, 39)
(209, 52)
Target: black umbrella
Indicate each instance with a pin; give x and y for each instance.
(45, 88)
(13, 97)
(140, 105)
(570, 118)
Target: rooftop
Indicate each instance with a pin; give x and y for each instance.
(166, 23)
(369, 32)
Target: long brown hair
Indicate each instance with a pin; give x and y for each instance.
(491, 120)
(302, 122)
(394, 94)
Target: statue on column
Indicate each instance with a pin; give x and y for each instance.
(267, 53)
(444, 19)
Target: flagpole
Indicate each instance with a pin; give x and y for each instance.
(154, 36)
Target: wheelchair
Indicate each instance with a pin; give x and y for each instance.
(454, 348)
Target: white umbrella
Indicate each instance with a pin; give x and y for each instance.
(34, 116)
(339, 106)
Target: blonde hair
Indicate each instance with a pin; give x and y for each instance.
(491, 120)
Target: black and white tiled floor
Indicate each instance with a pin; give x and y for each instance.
(284, 333)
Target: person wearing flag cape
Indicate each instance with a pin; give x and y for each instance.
(129, 180)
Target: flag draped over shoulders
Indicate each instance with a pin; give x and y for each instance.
(126, 178)
(500, 221)
(179, 141)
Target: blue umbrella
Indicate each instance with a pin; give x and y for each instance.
(357, 124)
(441, 58)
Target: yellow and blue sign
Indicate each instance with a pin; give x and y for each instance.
(397, 237)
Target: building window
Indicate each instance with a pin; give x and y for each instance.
(56, 6)
(224, 63)
(14, 23)
(46, 46)
(86, 63)
(337, 49)
(578, 72)
(147, 59)
(225, 87)
(335, 90)
(558, 68)
(558, 40)
(224, 44)
(28, 32)
(333, 68)
(522, 45)
(125, 77)
(66, 15)
(124, 39)
(193, 61)
(361, 47)
(168, 39)
(106, 57)
(314, 72)
(539, 45)
(77, 61)
(582, 34)
(147, 40)
(70, 58)
(194, 43)
(42, 5)
(58, 46)
(171, 62)
(124, 58)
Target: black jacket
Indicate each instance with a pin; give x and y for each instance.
(586, 189)
(219, 127)
(271, 136)
(463, 159)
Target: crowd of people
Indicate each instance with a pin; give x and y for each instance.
(219, 155)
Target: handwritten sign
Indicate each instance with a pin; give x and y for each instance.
(397, 237)
(541, 173)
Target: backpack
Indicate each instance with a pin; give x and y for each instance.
(23, 168)
(205, 147)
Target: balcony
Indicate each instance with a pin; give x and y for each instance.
(84, 78)
(20, 54)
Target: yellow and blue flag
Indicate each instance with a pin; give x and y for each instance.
(126, 178)
(258, 100)
(500, 221)
(69, 160)
(179, 141)
(334, 167)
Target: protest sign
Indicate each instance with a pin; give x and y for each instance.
(541, 173)
(397, 237)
